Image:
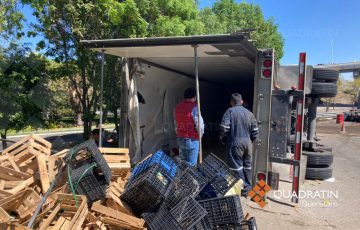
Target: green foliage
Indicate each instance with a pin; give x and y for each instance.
(10, 19)
(73, 88)
(23, 87)
(351, 88)
(227, 16)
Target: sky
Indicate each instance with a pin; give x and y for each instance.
(327, 30)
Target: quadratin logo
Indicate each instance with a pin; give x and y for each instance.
(258, 192)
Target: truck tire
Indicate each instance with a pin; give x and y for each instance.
(327, 75)
(318, 173)
(319, 159)
(324, 89)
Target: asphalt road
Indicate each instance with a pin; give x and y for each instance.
(341, 212)
(60, 140)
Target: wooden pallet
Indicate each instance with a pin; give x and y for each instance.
(66, 214)
(23, 204)
(118, 160)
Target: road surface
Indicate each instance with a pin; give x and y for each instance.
(60, 140)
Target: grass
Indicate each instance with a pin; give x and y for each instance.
(13, 133)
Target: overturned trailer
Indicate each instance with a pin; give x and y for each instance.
(156, 71)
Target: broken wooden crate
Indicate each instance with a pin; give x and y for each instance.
(19, 206)
(29, 155)
(68, 213)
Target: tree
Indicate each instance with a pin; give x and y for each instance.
(354, 90)
(10, 19)
(63, 23)
(23, 86)
(227, 16)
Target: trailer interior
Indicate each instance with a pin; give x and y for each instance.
(226, 64)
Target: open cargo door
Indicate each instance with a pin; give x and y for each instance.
(165, 68)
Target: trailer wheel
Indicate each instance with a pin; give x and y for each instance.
(319, 159)
(318, 173)
(324, 89)
(327, 75)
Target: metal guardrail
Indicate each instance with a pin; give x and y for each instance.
(326, 115)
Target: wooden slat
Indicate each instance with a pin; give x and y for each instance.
(10, 174)
(18, 150)
(50, 218)
(4, 216)
(114, 150)
(41, 148)
(119, 166)
(119, 224)
(41, 140)
(13, 146)
(12, 162)
(43, 173)
(59, 223)
(2, 184)
(77, 225)
(97, 207)
(117, 159)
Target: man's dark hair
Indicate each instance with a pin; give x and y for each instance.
(190, 93)
(95, 132)
(236, 98)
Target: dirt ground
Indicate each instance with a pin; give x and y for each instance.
(341, 210)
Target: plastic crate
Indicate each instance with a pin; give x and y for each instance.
(203, 224)
(161, 220)
(158, 158)
(185, 185)
(221, 178)
(244, 225)
(211, 166)
(249, 224)
(145, 193)
(223, 211)
(88, 182)
(87, 153)
(188, 212)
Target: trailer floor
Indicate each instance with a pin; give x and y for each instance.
(340, 213)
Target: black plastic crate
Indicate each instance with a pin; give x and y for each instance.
(161, 220)
(188, 212)
(147, 192)
(185, 185)
(88, 153)
(221, 178)
(211, 166)
(203, 224)
(159, 158)
(244, 225)
(223, 211)
(249, 224)
(86, 181)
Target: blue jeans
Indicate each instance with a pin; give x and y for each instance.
(189, 150)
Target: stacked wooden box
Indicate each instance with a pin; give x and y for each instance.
(27, 169)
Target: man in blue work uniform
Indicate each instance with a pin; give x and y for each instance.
(239, 129)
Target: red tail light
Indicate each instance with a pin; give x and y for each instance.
(267, 73)
(267, 63)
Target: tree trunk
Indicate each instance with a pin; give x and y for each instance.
(79, 119)
(116, 122)
(4, 142)
(86, 115)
